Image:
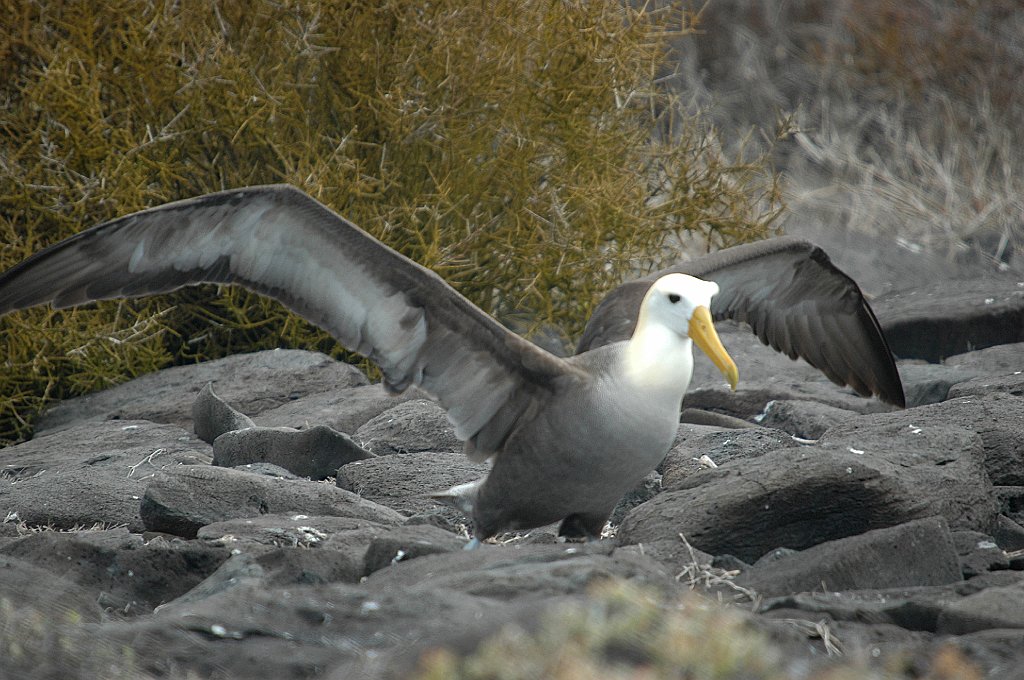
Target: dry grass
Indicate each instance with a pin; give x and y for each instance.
(908, 114)
(700, 574)
(23, 528)
(953, 196)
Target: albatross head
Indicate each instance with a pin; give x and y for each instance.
(681, 305)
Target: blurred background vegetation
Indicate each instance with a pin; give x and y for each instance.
(909, 119)
(624, 632)
(533, 154)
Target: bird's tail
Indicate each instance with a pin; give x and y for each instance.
(462, 497)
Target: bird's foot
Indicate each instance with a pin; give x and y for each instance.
(473, 544)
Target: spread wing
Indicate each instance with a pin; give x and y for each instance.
(278, 241)
(793, 298)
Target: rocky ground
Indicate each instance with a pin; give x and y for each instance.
(275, 526)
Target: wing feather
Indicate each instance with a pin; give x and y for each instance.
(278, 241)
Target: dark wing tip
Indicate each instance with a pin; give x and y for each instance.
(887, 384)
(873, 369)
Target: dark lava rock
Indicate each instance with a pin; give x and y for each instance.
(290, 530)
(268, 469)
(648, 488)
(409, 427)
(679, 557)
(287, 577)
(925, 383)
(997, 360)
(719, 446)
(316, 453)
(915, 608)
(123, 573)
(252, 382)
(1011, 502)
(978, 553)
(274, 550)
(404, 543)
(51, 628)
(918, 553)
(758, 363)
(1009, 535)
(401, 481)
(212, 416)
(296, 630)
(696, 416)
(1011, 384)
(1001, 607)
(94, 473)
(273, 566)
(286, 566)
(951, 317)
(508, 571)
(994, 417)
(346, 536)
(801, 497)
(800, 418)
(750, 399)
(181, 500)
(345, 410)
(998, 652)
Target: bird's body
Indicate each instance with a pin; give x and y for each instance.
(596, 439)
(605, 424)
(567, 437)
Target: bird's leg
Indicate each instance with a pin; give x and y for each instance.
(579, 526)
(473, 544)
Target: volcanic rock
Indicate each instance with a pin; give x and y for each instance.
(181, 500)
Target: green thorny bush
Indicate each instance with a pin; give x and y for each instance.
(532, 153)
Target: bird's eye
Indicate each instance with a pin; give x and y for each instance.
(673, 298)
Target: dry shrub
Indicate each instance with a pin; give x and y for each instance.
(622, 632)
(506, 145)
(920, 47)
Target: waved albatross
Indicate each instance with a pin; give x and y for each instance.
(567, 437)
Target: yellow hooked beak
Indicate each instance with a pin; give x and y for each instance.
(702, 332)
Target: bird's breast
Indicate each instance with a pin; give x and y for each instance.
(620, 430)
